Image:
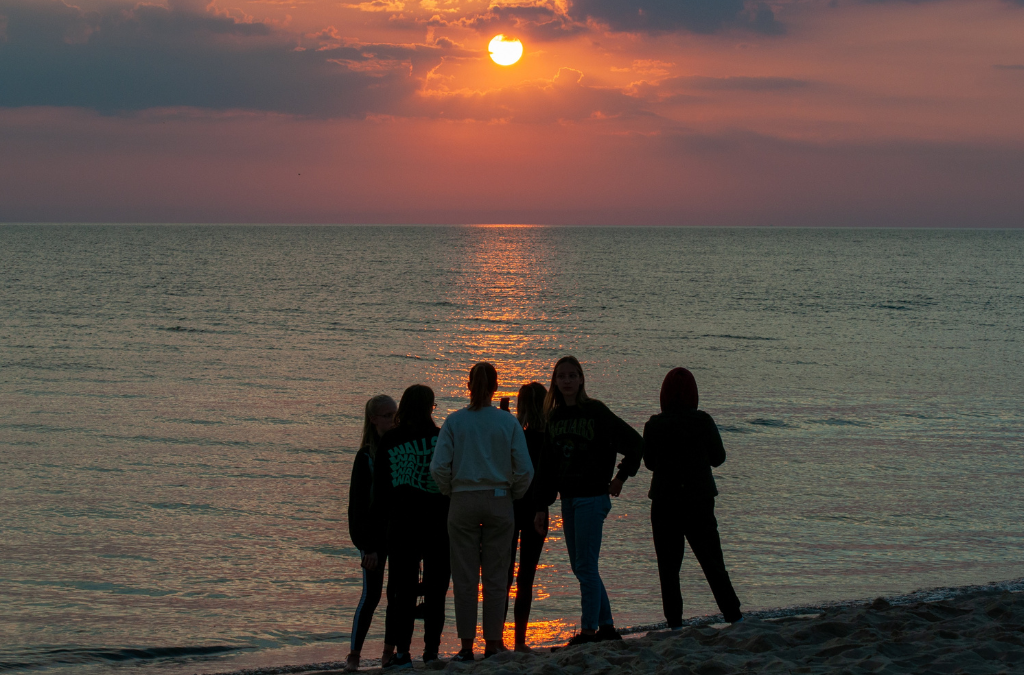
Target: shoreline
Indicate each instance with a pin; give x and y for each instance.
(771, 634)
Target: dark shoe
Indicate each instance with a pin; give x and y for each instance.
(608, 633)
(464, 655)
(399, 662)
(736, 621)
(579, 639)
(429, 656)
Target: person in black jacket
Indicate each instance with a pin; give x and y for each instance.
(410, 521)
(528, 537)
(378, 419)
(583, 439)
(681, 445)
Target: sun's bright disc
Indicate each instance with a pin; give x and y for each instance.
(505, 51)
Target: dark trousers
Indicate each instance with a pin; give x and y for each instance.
(530, 545)
(418, 538)
(373, 585)
(671, 521)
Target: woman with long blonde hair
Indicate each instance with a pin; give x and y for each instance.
(583, 439)
(378, 418)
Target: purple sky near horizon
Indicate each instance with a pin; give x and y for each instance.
(673, 112)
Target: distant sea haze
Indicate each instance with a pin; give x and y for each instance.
(181, 406)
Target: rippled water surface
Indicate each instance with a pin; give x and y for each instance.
(181, 406)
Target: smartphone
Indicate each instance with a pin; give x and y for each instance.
(504, 402)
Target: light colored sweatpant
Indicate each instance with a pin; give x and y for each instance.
(480, 526)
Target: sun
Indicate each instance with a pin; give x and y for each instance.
(505, 51)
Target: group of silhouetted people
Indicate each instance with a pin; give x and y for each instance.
(456, 502)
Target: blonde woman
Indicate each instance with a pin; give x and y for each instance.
(583, 439)
(378, 419)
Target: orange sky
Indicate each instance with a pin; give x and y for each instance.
(717, 112)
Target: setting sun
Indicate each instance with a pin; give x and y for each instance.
(505, 51)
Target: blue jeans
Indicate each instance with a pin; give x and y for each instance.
(583, 522)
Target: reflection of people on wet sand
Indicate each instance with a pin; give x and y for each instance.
(410, 516)
(529, 537)
(682, 444)
(377, 420)
(482, 461)
(583, 439)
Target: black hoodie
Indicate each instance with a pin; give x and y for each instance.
(404, 492)
(580, 450)
(680, 448)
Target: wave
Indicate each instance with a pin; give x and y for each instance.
(42, 658)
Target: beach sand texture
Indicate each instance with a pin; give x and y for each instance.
(982, 634)
(976, 633)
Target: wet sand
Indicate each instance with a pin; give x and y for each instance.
(978, 630)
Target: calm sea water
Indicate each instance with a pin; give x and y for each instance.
(181, 405)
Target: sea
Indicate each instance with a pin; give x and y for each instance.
(180, 406)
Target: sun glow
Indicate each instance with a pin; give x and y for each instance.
(505, 51)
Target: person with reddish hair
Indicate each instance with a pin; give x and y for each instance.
(682, 443)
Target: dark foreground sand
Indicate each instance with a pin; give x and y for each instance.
(975, 632)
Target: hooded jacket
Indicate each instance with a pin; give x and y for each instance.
(680, 448)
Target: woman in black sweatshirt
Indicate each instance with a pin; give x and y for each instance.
(681, 446)
(378, 419)
(583, 439)
(410, 517)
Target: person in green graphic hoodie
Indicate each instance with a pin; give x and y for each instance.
(578, 463)
(411, 523)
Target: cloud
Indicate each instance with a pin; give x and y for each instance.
(150, 56)
(661, 16)
(565, 98)
(543, 21)
(690, 88)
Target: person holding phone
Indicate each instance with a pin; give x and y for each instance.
(583, 439)
(526, 536)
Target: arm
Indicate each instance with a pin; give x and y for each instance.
(650, 446)
(380, 507)
(546, 478)
(713, 444)
(359, 492)
(522, 466)
(444, 454)
(628, 442)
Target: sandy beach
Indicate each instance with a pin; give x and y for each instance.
(976, 630)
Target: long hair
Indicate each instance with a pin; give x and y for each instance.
(678, 390)
(483, 382)
(554, 399)
(530, 406)
(416, 406)
(373, 408)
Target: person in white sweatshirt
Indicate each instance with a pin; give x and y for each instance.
(481, 461)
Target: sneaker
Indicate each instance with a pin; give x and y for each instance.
(579, 639)
(429, 656)
(464, 655)
(399, 662)
(739, 620)
(608, 632)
